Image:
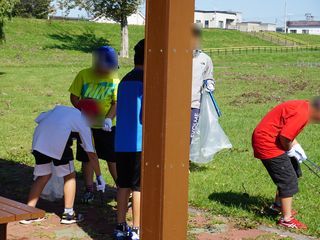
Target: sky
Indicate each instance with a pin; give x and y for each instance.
(271, 11)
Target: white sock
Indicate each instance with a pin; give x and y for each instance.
(69, 211)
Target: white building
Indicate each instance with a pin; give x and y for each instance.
(256, 27)
(135, 19)
(217, 19)
(304, 27)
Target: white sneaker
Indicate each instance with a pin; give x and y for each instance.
(29, 221)
(134, 236)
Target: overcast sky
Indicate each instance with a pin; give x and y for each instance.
(272, 11)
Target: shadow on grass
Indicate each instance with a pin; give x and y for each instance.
(197, 167)
(256, 204)
(84, 42)
(2, 73)
(100, 217)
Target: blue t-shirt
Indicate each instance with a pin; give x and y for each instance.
(129, 113)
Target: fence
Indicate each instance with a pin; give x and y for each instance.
(259, 49)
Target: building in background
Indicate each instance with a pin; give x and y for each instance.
(256, 27)
(217, 19)
(137, 18)
(304, 27)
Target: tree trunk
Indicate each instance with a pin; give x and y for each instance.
(124, 52)
(2, 34)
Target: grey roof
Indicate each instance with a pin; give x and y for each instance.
(213, 11)
(303, 23)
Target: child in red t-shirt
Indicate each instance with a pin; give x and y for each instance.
(274, 142)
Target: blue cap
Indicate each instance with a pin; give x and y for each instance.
(106, 57)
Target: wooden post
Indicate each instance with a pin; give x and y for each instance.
(3, 231)
(167, 98)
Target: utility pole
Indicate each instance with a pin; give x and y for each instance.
(285, 16)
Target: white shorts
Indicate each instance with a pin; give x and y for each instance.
(49, 168)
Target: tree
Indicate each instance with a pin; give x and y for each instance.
(6, 8)
(32, 8)
(117, 10)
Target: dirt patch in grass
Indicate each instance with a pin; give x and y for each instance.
(254, 98)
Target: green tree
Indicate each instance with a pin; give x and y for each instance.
(117, 10)
(32, 8)
(6, 8)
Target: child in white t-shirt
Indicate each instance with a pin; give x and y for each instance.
(51, 147)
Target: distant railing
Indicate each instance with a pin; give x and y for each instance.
(259, 49)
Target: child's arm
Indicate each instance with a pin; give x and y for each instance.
(286, 143)
(94, 161)
(112, 112)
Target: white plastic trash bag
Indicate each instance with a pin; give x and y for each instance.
(209, 137)
(53, 191)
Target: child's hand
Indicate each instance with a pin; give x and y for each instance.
(298, 153)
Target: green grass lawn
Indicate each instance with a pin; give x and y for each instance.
(308, 39)
(40, 60)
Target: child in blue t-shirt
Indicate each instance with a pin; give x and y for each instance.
(128, 145)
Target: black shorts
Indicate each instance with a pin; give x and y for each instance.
(129, 170)
(104, 145)
(284, 172)
(67, 155)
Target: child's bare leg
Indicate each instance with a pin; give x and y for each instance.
(69, 190)
(112, 166)
(88, 173)
(286, 204)
(37, 188)
(136, 209)
(122, 204)
(277, 199)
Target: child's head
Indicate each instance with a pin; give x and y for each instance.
(315, 110)
(139, 53)
(105, 60)
(90, 109)
(196, 37)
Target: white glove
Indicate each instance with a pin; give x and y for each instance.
(209, 85)
(101, 184)
(107, 125)
(298, 153)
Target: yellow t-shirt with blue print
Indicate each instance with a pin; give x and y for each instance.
(104, 89)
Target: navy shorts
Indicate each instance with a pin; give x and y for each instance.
(195, 113)
(129, 170)
(104, 145)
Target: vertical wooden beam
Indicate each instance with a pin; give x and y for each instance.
(167, 96)
(3, 231)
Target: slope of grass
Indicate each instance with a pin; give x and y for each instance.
(217, 38)
(304, 39)
(39, 61)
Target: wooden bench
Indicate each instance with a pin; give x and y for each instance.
(11, 211)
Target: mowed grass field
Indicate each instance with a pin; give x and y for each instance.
(40, 60)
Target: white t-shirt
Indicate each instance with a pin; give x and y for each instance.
(202, 70)
(54, 129)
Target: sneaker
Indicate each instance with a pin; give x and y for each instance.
(29, 221)
(134, 235)
(121, 234)
(276, 210)
(293, 223)
(87, 198)
(70, 219)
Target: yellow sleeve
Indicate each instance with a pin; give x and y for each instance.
(77, 85)
(116, 81)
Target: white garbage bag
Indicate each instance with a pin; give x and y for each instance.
(209, 137)
(53, 191)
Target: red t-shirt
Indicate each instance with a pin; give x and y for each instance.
(288, 120)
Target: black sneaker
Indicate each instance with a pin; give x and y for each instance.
(87, 198)
(70, 219)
